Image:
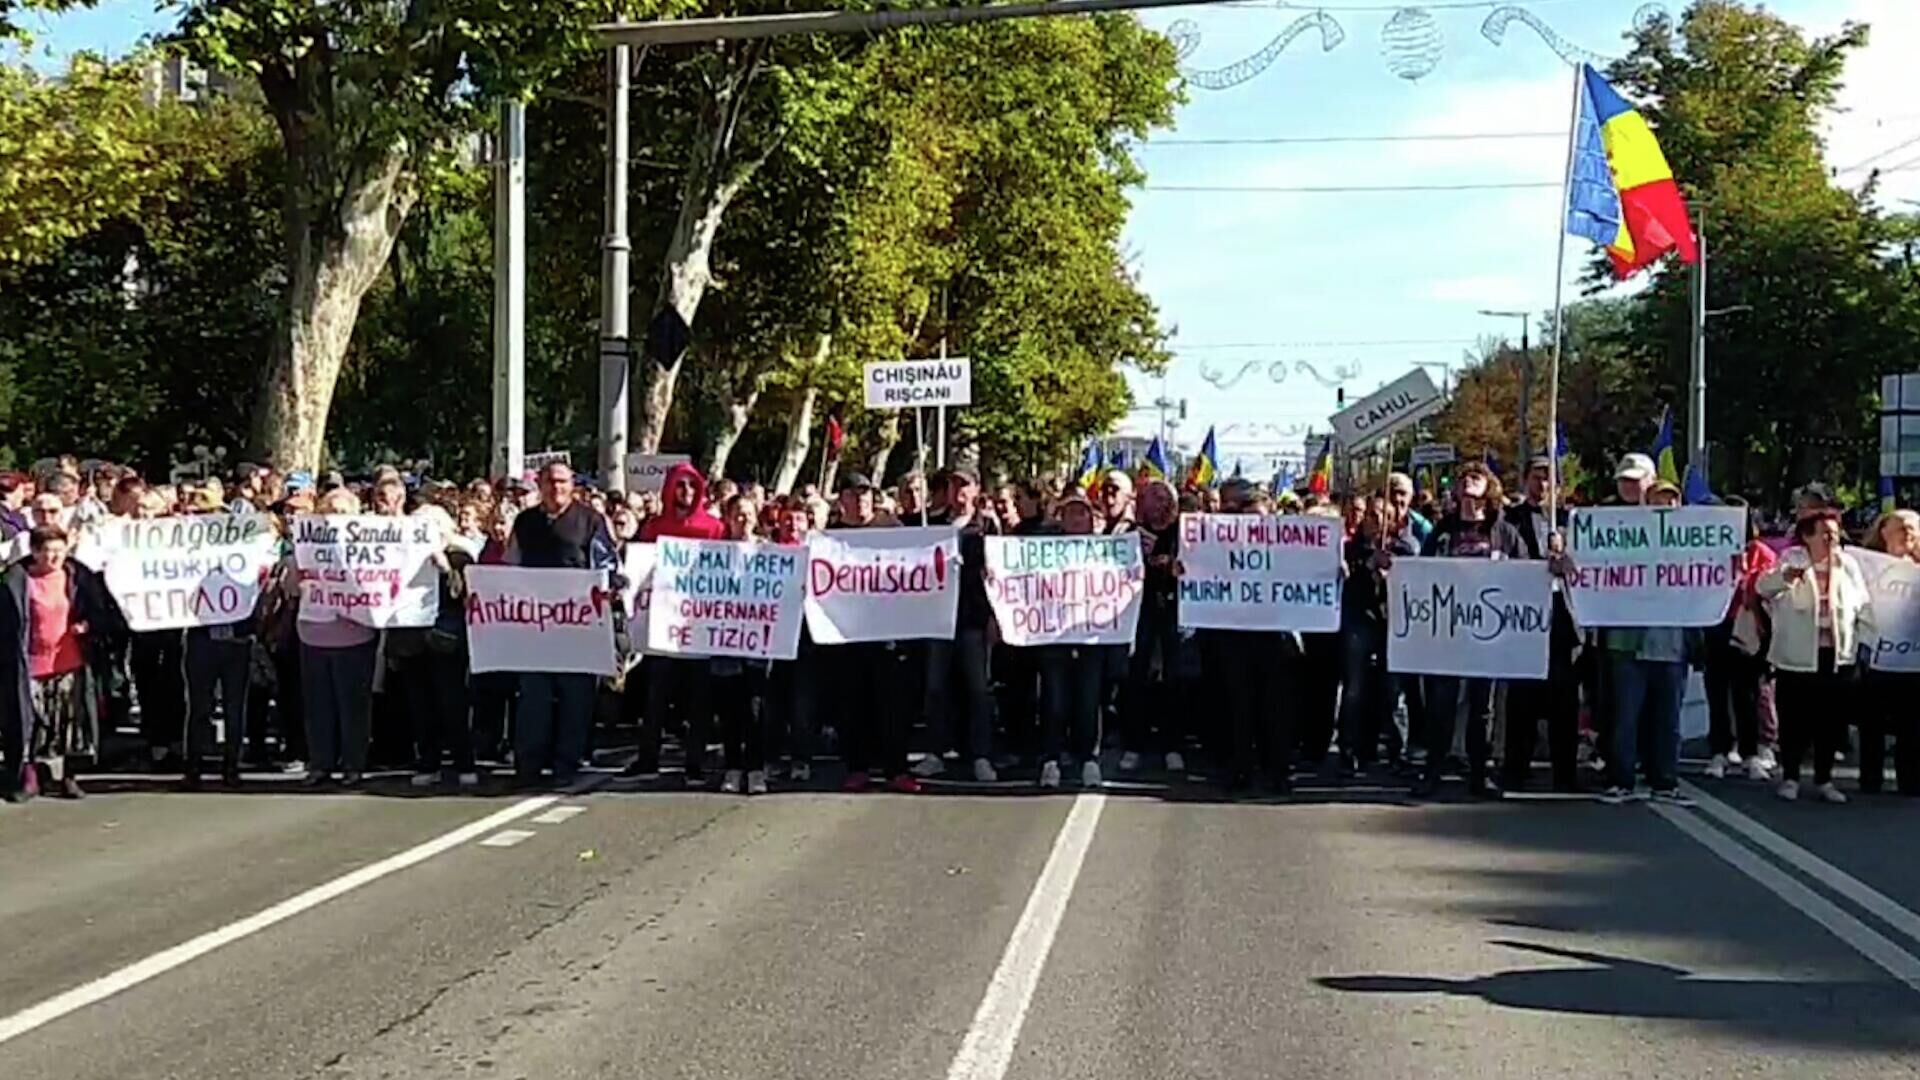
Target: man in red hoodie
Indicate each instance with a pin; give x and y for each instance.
(678, 683)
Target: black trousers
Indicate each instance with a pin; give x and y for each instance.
(677, 687)
(1554, 702)
(289, 701)
(1071, 678)
(743, 735)
(1813, 715)
(1149, 720)
(866, 681)
(1891, 698)
(1733, 694)
(157, 661)
(1248, 666)
(1443, 697)
(791, 703)
(223, 664)
(1319, 694)
(435, 686)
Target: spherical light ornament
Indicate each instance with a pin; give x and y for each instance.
(1412, 43)
(1648, 15)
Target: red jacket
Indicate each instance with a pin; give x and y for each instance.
(696, 524)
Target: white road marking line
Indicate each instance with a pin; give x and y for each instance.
(559, 815)
(508, 837)
(1883, 907)
(126, 978)
(988, 1048)
(1865, 940)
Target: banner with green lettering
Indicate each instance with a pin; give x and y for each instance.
(1654, 566)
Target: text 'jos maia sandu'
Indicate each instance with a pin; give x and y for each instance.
(1483, 618)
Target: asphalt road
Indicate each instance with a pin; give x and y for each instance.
(970, 933)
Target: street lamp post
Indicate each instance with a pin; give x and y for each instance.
(1526, 381)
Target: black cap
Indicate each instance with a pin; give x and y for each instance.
(854, 481)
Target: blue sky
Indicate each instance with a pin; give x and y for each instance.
(1317, 279)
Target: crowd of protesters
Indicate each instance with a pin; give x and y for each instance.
(334, 699)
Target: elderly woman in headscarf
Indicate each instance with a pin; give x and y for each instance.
(62, 624)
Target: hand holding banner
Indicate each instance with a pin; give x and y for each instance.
(1252, 572)
(174, 572)
(1065, 590)
(370, 569)
(1474, 618)
(882, 584)
(726, 598)
(1654, 566)
(526, 619)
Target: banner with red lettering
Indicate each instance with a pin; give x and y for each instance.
(726, 598)
(882, 584)
(174, 572)
(1065, 590)
(523, 618)
(371, 569)
(1654, 566)
(1254, 572)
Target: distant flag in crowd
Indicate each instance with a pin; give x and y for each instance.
(836, 438)
(1239, 473)
(1622, 195)
(1283, 478)
(1559, 442)
(1423, 478)
(1695, 491)
(1320, 482)
(1493, 462)
(1154, 465)
(1119, 459)
(1662, 451)
(1204, 472)
(1091, 465)
(1887, 500)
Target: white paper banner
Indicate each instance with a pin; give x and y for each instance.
(636, 566)
(1648, 566)
(174, 572)
(726, 598)
(648, 472)
(1065, 590)
(370, 569)
(1479, 618)
(1895, 586)
(882, 584)
(1253, 572)
(527, 619)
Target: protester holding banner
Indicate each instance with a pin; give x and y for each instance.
(792, 700)
(736, 683)
(1150, 718)
(1737, 678)
(865, 677)
(1255, 670)
(1367, 705)
(1893, 677)
(155, 658)
(221, 657)
(678, 687)
(337, 658)
(431, 668)
(1555, 700)
(59, 625)
(1822, 613)
(1071, 678)
(957, 670)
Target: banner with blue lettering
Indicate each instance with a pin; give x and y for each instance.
(1065, 590)
(1254, 572)
(726, 598)
(1654, 566)
(1475, 618)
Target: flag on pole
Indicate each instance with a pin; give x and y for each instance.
(1154, 465)
(1559, 442)
(836, 438)
(1091, 465)
(1662, 452)
(1695, 491)
(1204, 471)
(1622, 194)
(1283, 478)
(1321, 481)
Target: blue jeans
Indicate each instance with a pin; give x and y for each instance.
(1645, 692)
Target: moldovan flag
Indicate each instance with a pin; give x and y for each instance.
(1204, 470)
(1320, 481)
(1622, 194)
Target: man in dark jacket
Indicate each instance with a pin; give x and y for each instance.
(866, 677)
(1147, 698)
(956, 671)
(1371, 691)
(1555, 699)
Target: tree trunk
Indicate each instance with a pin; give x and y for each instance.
(733, 417)
(793, 453)
(715, 176)
(340, 231)
(885, 440)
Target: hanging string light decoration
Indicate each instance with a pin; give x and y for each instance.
(1185, 36)
(1495, 30)
(1648, 16)
(1412, 43)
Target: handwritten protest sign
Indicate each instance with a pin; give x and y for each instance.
(882, 584)
(1478, 618)
(373, 570)
(174, 572)
(525, 619)
(726, 598)
(1895, 587)
(636, 596)
(1065, 590)
(1654, 566)
(1251, 572)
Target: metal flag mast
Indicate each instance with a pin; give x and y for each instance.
(1559, 309)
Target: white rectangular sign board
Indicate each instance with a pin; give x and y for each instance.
(905, 384)
(1065, 590)
(1253, 572)
(648, 472)
(1433, 453)
(1654, 566)
(368, 568)
(1474, 618)
(1895, 586)
(173, 572)
(883, 585)
(526, 619)
(726, 598)
(1394, 406)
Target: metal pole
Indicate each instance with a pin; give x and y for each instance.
(920, 459)
(615, 250)
(1697, 399)
(1559, 309)
(510, 292)
(940, 430)
(1526, 392)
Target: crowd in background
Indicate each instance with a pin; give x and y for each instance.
(333, 700)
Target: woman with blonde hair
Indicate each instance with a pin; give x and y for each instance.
(336, 679)
(1822, 614)
(1890, 694)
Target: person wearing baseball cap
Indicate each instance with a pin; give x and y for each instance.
(1631, 478)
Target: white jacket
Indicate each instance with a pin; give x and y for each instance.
(1795, 610)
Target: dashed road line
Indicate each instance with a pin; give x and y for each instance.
(559, 815)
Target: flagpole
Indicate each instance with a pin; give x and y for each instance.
(1559, 310)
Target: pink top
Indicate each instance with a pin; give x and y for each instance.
(53, 645)
(333, 633)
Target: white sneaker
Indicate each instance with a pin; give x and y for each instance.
(1764, 755)
(1830, 794)
(1788, 790)
(730, 783)
(800, 772)
(1176, 763)
(1717, 768)
(425, 779)
(983, 771)
(1759, 768)
(1615, 795)
(469, 779)
(929, 766)
(1129, 761)
(1050, 774)
(1090, 774)
(757, 782)
(1734, 760)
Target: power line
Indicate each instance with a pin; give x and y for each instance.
(1430, 5)
(1315, 140)
(1345, 189)
(1889, 151)
(1386, 343)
